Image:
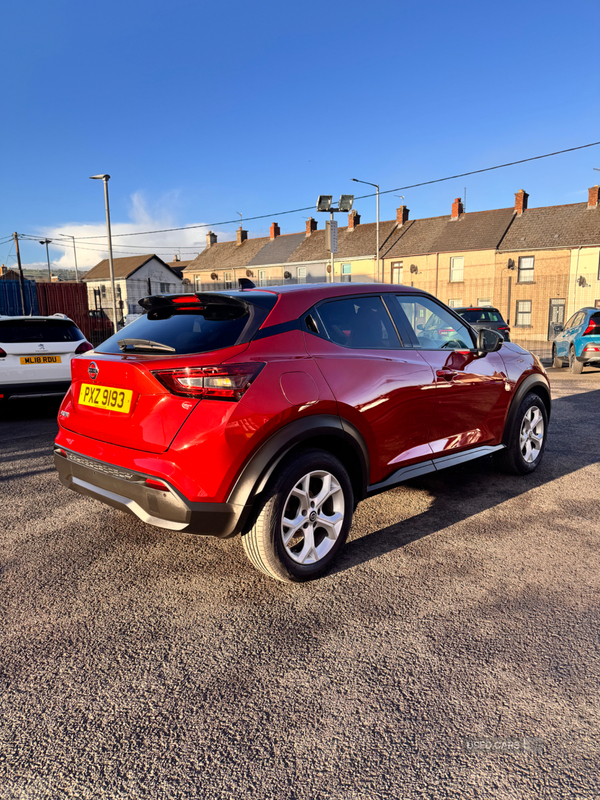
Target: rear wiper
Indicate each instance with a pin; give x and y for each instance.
(144, 344)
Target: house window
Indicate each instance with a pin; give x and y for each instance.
(164, 287)
(262, 277)
(228, 279)
(103, 290)
(457, 266)
(197, 283)
(525, 269)
(301, 274)
(484, 301)
(598, 278)
(346, 273)
(455, 302)
(596, 303)
(523, 313)
(397, 269)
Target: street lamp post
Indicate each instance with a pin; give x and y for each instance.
(106, 179)
(47, 242)
(324, 204)
(367, 183)
(68, 235)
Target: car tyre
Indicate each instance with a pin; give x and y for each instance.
(557, 362)
(526, 440)
(576, 366)
(304, 520)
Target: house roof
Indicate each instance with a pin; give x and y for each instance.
(123, 267)
(10, 275)
(277, 251)
(227, 255)
(571, 225)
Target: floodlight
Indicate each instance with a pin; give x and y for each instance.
(346, 202)
(324, 202)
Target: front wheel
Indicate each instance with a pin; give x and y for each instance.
(576, 366)
(526, 440)
(305, 518)
(557, 362)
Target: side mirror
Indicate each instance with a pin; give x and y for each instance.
(488, 341)
(558, 328)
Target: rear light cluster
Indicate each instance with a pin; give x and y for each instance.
(2, 353)
(503, 328)
(225, 382)
(592, 328)
(83, 348)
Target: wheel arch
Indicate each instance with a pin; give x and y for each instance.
(321, 431)
(534, 384)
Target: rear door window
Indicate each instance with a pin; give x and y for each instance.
(359, 322)
(27, 331)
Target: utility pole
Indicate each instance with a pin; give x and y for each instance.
(68, 235)
(21, 278)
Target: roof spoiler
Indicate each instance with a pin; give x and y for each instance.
(204, 299)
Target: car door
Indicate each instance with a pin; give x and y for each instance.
(564, 338)
(472, 392)
(382, 387)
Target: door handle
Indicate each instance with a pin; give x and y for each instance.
(446, 374)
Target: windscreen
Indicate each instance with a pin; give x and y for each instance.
(24, 331)
(189, 330)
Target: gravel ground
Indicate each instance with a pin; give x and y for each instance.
(136, 663)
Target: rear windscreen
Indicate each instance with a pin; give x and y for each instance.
(189, 331)
(23, 331)
(481, 316)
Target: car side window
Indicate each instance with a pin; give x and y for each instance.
(359, 322)
(569, 323)
(433, 326)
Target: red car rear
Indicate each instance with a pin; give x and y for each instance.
(272, 413)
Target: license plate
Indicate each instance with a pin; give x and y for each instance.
(40, 360)
(106, 397)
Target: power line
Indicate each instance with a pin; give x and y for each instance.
(361, 197)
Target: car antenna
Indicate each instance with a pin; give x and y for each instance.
(246, 284)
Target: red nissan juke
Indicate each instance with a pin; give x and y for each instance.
(273, 412)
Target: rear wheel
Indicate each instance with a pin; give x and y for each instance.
(526, 439)
(557, 362)
(576, 366)
(305, 519)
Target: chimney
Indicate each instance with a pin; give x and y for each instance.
(275, 232)
(241, 236)
(3, 270)
(457, 208)
(402, 215)
(211, 238)
(311, 226)
(521, 198)
(593, 197)
(176, 258)
(353, 220)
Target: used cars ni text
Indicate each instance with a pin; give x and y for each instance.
(272, 412)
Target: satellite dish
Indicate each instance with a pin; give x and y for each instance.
(214, 276)
(414, 269)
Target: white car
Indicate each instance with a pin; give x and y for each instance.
(36, 353)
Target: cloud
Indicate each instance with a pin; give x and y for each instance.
(187, 243)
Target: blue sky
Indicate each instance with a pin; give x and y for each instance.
(199, 111)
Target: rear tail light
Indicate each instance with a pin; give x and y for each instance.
(83, 348)
(503, 328)
(226, 382)
(2, 353)
(592, 327)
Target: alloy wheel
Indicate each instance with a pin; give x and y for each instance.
(313, 517)
(531, 436)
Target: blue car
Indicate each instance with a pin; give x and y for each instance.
(578, 341)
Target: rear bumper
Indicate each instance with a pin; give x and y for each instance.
(126, 490)
(43, 387)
